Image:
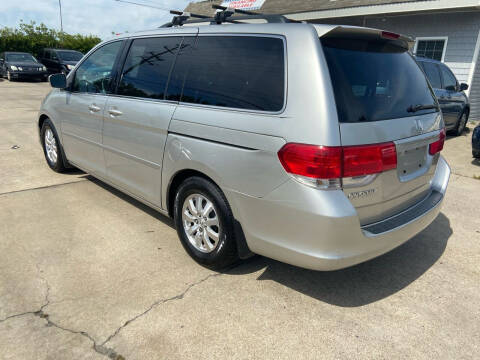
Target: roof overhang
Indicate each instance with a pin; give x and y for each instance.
(395, 8)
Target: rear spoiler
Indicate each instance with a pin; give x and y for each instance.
(356, 32)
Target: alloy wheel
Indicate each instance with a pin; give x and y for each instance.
(200, 223)
(51, 146)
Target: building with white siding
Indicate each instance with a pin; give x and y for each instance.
(446, 30)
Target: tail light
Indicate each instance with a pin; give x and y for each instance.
(320, 162)
(369, 159)
(437, 146)
(324, 166)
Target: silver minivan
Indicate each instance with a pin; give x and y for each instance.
(316, 145)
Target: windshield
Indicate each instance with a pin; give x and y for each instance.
(20, 58)
(375, 80)
(69, 55)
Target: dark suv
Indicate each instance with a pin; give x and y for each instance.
(59, 60)
(453, 101)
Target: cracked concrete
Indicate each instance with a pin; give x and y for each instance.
(89, 273)
(100, 348)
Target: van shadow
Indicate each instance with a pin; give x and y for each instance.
(352, 287)
(367, 282)
(139, 205)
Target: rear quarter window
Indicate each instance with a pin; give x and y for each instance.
(374, 80)
(449, 80)
(244, 72)
(433, 74)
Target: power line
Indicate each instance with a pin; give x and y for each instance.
(144, 5)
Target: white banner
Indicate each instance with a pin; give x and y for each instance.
(243, 4)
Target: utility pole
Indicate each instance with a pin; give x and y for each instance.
(61, 21)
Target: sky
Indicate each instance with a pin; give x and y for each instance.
(95, 17)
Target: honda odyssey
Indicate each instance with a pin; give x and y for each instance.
(316, 145)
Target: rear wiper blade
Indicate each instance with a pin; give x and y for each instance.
(415, 108)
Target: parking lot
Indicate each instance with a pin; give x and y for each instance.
(89, 273)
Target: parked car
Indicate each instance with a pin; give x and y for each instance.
(453, 101)
(20, 65)
(323, 160)
(476, 142)
(60, 60)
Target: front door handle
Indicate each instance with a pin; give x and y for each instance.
(115, 112)
(94, 108)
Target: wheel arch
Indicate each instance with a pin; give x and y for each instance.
(41, 120)
(176, 180)
(466, 110)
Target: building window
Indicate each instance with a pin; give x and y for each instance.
(431, 48)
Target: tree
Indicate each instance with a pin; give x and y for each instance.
(32, 38)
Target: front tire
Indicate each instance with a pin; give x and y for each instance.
(476, 154)
(204, 223)
(52, 148)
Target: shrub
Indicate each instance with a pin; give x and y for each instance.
(32, 38)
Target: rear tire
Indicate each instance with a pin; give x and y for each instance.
(461, 124)
(205, 223)
(52, 149)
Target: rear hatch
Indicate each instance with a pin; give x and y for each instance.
(383, 100)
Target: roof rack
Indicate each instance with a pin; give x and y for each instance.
(223, 15)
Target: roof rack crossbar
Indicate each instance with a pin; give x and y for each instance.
(182, 16)
(224, 15)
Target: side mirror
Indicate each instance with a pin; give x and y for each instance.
(463, 86)
(58, 81)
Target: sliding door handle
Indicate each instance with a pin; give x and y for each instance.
(94, 108)
(115, 112)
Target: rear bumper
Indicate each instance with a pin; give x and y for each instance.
(320, 230)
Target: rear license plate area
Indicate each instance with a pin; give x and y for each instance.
(412, 161)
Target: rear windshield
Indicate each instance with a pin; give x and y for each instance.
(374, 80)
(70, 55)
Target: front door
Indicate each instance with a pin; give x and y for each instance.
(82, 115)
(136, 119)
